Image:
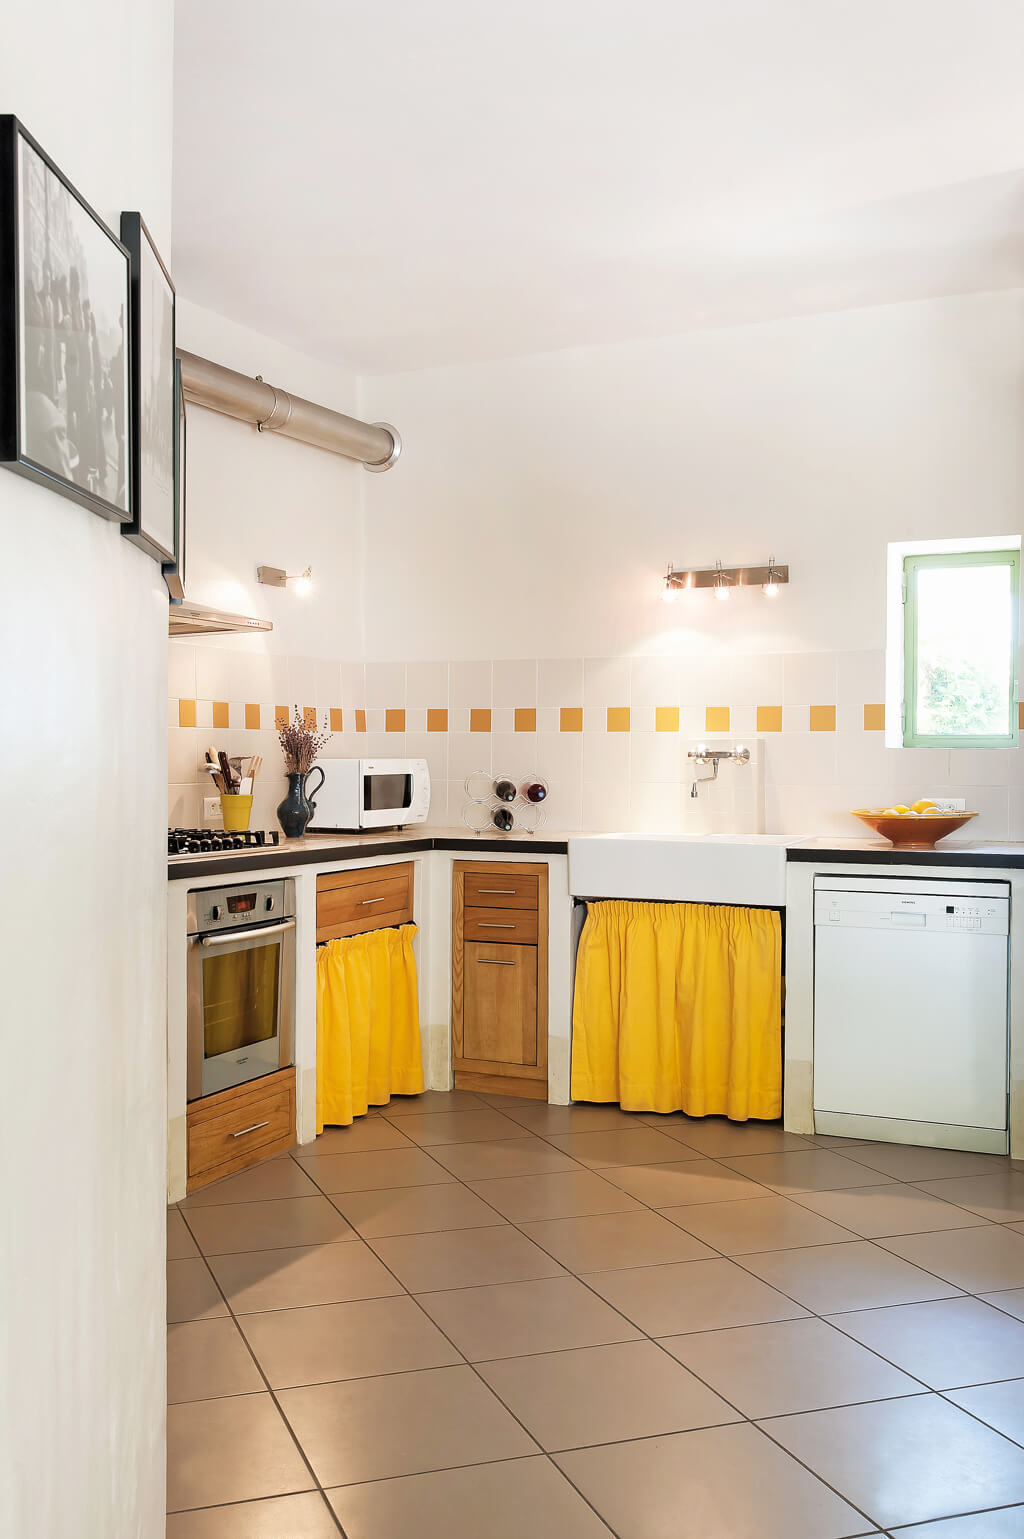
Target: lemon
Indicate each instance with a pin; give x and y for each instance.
(924, 805)
(900, 810)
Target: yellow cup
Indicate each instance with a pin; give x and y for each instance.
(236, 812)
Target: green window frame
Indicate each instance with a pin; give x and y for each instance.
(913, 566)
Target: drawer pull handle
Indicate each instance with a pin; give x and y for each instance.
(485, 924)
(506, 892)
(253, 1129)
(364, 901)
(493, 962)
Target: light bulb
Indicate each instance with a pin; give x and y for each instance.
(770, 589)
(304, 584)
(721, 590)
(668, 595)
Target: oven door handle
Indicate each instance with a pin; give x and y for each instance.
(230, 937)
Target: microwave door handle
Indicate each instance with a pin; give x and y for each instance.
(232, 937)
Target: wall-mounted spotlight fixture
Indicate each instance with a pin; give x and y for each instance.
(277, 577)
(724, 579)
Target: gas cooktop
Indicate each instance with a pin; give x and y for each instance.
(214, 841)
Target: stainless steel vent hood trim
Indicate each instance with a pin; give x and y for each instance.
(200, 620)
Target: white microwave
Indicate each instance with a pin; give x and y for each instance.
(370, 793)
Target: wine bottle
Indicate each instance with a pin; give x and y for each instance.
(533, 790)
(503, 819)
(505, 790)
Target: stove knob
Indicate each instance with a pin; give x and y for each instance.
(238, 844)
(205, 844)
(260, 836)
(193, 846)
(268, 905)
(215, 911)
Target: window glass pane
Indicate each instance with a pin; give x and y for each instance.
(964, 621)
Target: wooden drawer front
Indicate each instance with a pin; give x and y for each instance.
(501, 924)
(243, 1128)
(368, 900)
(500, 1007)
(493, 889)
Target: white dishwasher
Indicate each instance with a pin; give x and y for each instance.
(911, 1011)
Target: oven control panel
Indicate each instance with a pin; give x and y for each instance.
(239, 907)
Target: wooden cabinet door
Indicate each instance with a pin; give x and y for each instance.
(499, 1023)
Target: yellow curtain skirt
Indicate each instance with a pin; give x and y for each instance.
(678, 1007)
(367, 1024)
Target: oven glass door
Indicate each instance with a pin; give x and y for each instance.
(241, 978)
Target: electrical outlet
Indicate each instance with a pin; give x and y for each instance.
(950, 804)
(211, 808)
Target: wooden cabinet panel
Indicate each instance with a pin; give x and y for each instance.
(352, 902)
(502, 924)
(501, 887)
(500, 1004)
(239, 1127)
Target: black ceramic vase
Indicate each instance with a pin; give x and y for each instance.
(297, 808)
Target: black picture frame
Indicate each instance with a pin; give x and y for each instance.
(174, 571)
(154, 425)
(65, 334)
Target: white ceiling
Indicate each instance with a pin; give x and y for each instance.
(431, 181)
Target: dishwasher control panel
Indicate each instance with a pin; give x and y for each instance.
(879, 906)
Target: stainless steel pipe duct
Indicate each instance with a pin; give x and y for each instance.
(273, 410)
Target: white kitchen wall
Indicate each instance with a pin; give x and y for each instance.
(83, 620)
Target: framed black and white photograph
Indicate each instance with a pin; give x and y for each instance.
(152, 376)
(174, 571)
(65, 400)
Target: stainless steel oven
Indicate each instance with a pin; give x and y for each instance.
(241, 983)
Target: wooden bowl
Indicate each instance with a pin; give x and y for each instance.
(916, 830)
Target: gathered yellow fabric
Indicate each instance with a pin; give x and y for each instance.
(367, 1024)
(678, 1007)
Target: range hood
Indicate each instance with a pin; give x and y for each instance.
(188, 619)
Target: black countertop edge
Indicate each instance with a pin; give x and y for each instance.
(266, 857)
(1005, 860)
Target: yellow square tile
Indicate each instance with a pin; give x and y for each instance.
(666, 718)
(437, 720)
(479, 720)
(526, 719)
(282, 716)
(186, 713)
(823, 718)
(874, 718)
(618, 718)
(570, 718)
(337, 719)
(309, 716)
(252, 718)
(716, 718)
(220, 714)
(1020, 713)
(394, 721)
(769, 718)
(360, 721)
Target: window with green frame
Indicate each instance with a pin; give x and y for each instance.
(960, 640)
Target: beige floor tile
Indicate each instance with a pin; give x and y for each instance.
(207, 1359)
(682, 1183)
(179, 1241)
(365, 1134)
(801, 1170)
(270, 1226)
(874, 1211)
(1010, 1300)
(345, 1341)
(464, 1258)
(377, 1169)
(604, 1395)
(522, 1497)
(998, 1196)
(232, 1450)
(505, 1103)
(980, 1260)
(192, 1293)
(716, 1136)
(945, 1344)
(692, 1296)
(511, 1319)
(460, 1127)
(432, 1101)
(764, 1223)
(904, 1461)
(1006, 1523)
(272, 1180)
(414, 1210)
(790, 1365)
(523, 1156)
(1000, 1405)
(309, 1274)
(582, 1118)
(908, 1162)
(718, 1483)
(403, 1424)
(618, 1146)
(832, 1141)
(606, 1241)
(858, 1275)
(572, 1195)
(282, 1517)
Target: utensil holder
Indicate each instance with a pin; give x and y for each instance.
(236, 812)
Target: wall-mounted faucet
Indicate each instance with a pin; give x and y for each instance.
(714, 757)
